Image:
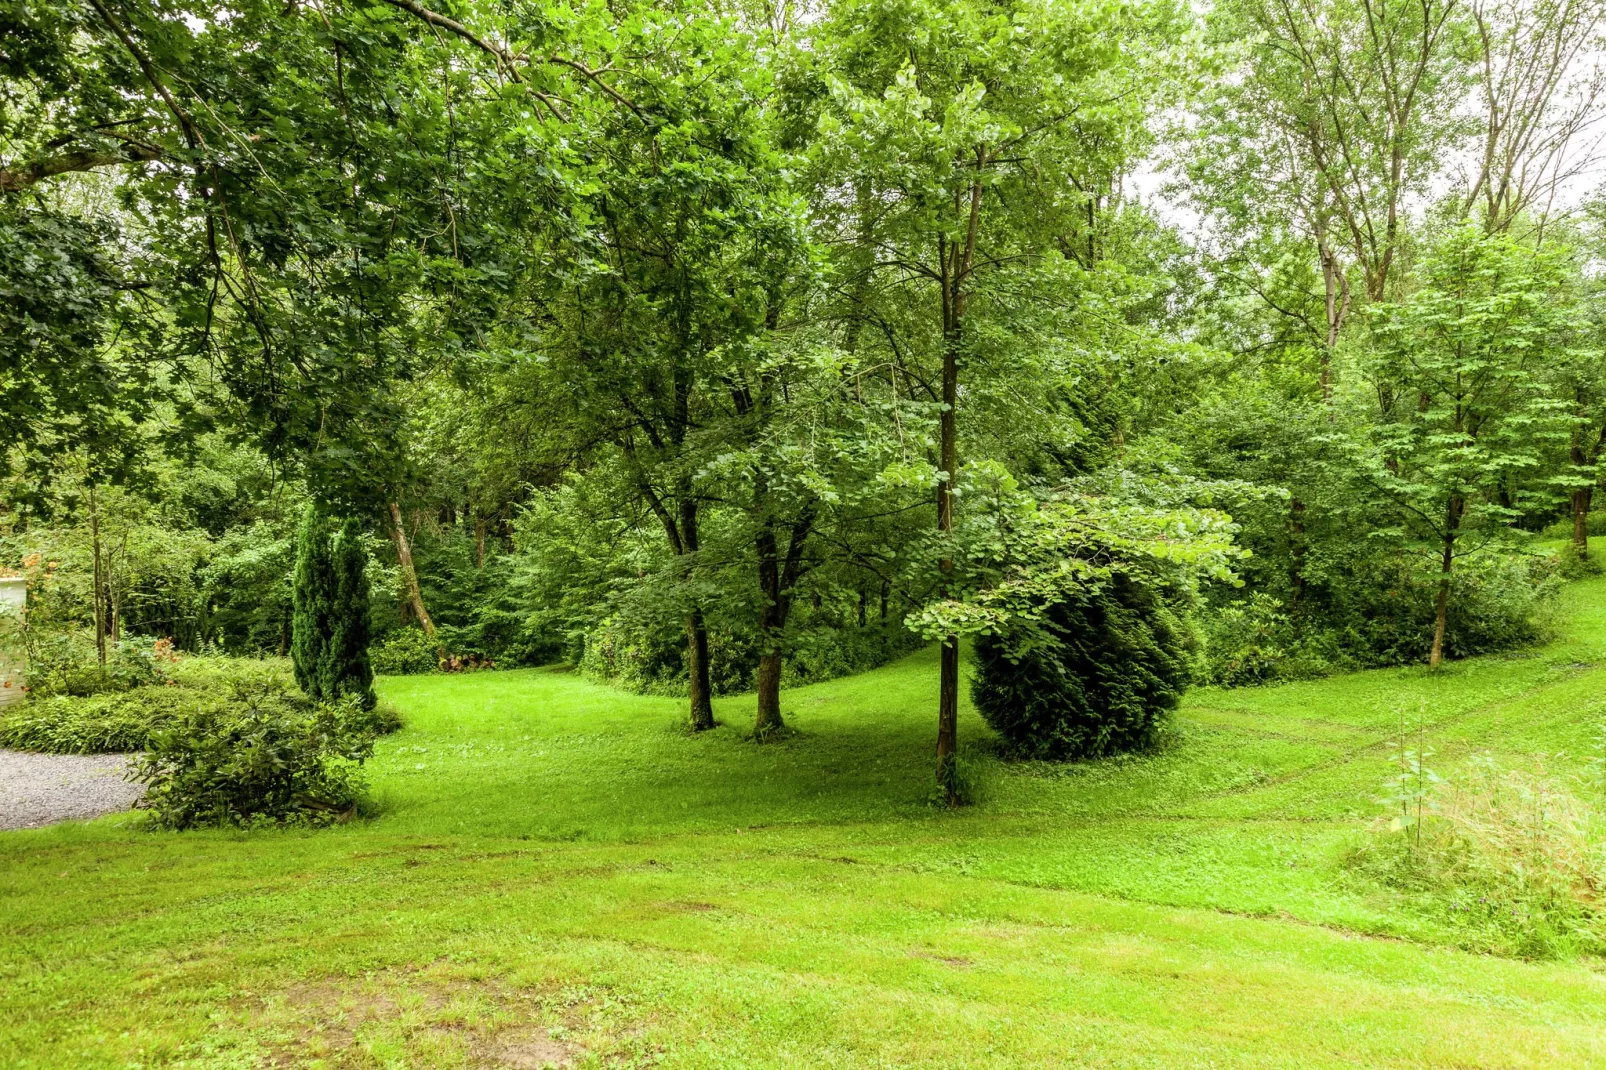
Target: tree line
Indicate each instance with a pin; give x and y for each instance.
(689, 336)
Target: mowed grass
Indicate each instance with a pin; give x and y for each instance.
(559, 876)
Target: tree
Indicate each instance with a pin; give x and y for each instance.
(967, 145)
(1338, 112)
(345, 671)
(1470, 348)
(74, 378)
(652, 313)
(1540, 88)
(313, 597)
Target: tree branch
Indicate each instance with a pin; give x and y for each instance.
(14, 179)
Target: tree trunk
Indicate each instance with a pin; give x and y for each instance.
(1581, 500)
(698, 688)
(114, 594)
(697, 685)
(771, 620)
(99, 575)
(776, 581)
(404, 562)
(1296, 551)
(479, 541)
(957, 262)
(1336, 286)
(1447, 561)
(948, 687)
(769, 720)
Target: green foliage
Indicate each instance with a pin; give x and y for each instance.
(117, 722)
(1019, 556)
(330, 627)
(62, 293)
(66, 663)
(313, 597)
(124, 718)
(1512, 862)
(1105, 667)
(480, 607)
(246, 584)
(262, 754)
(629, 654)
(1245, 641)
(404, 652)
(651, 660)
(1594, 524)
(344, 671)
(1381, 616)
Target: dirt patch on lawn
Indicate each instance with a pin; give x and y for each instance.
(436, 1020)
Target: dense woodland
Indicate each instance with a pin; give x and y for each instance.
(717, 347)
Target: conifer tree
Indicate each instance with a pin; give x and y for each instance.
(312, 595)
(344, 669)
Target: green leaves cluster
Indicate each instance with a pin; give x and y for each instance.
(329, 627)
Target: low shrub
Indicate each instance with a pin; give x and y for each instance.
(1570, 566)
(1109, 665)
(1594, 524)
(1246, 641)
(264, 755)
(1381, 617)
(112, 722)
(68, 664)
(404, 652)
(1514, 863)
(830, 653)
(1257, 641)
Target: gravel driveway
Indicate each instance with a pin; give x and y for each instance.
(40, 789)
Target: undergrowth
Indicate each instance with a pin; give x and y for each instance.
(171, 691)
(1513, 862)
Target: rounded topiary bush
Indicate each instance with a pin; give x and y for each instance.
(1099, 675)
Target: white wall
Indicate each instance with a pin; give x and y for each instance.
(13, 595)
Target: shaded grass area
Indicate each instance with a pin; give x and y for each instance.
(558, 875)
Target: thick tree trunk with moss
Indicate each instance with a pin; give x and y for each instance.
(701, 715)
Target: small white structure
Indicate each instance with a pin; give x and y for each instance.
(13, 658)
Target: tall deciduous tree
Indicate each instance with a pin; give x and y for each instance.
(966, 144)
(1470, 348)
(1334, 113)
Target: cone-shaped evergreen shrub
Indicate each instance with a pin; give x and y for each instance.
(1103, 671)
(345, 670)
(312, 594)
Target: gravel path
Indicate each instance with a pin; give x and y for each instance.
(39, 789)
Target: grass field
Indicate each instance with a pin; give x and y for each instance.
(558, 876)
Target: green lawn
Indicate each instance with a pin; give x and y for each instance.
(558, 875)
